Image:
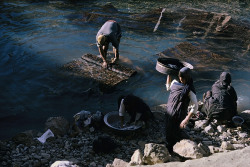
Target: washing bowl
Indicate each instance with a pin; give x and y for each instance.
(171, 66)
(112, 120)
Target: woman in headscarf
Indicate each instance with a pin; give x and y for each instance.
(221, 102)
(182, 94)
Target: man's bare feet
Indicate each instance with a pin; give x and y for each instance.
(114, 60)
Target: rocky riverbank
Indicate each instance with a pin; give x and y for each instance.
(144, 147)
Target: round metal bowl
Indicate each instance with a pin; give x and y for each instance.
(170, 65)
(237, 120)
(112, 120)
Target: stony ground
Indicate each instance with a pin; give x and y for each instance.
(79, 149)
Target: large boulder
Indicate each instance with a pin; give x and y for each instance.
(189, 149)
(155, 153)
(58, 125)
(25, 137)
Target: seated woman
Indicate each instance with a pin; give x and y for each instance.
(182, 94)
(135, 107)
(221, 102)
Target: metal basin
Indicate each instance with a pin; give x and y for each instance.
(237, 120)
(112, 120)
(171, 66)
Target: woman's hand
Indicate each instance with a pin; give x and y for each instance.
(184, 123)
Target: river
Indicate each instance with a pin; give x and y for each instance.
(38, 37)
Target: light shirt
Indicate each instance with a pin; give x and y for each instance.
(112, 30)
(193, 104)
(122, 109)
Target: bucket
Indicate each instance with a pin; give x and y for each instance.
(171, 66)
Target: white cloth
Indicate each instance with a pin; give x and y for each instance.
(45, 136)
(193, 104)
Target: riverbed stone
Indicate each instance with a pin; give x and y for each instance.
(63, 164)
(155, 153)
(136, 158)
(58, 125)
(188, 149)
(221, 128)
(201, 124)
(25, 137)
(226, 146)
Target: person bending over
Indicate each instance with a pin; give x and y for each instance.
(109, 32)
(135, 107)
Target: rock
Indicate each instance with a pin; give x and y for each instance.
(155, 153)
(211, 149)
(58, 125)
(226, 146)
(97, 120)
(246, 116)
(92, 164)
(204, 149)
(25, 138)
(119, 163)
(209, 129)
(136, 158)
(242, 135)
(63, 164)
(104, 144)
(92, 129)
(142, 144)
(238, 146)
(201, 124)
(221, 128)
(188, 149)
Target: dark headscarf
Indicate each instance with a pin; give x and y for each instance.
(225, 79)
(185, 73)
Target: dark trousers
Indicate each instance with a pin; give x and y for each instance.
(173, 132)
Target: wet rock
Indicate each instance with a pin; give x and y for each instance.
(24, 138)
(58, 125)
(155, 153)
(104, 144)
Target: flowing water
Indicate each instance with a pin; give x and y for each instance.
(38, 37)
